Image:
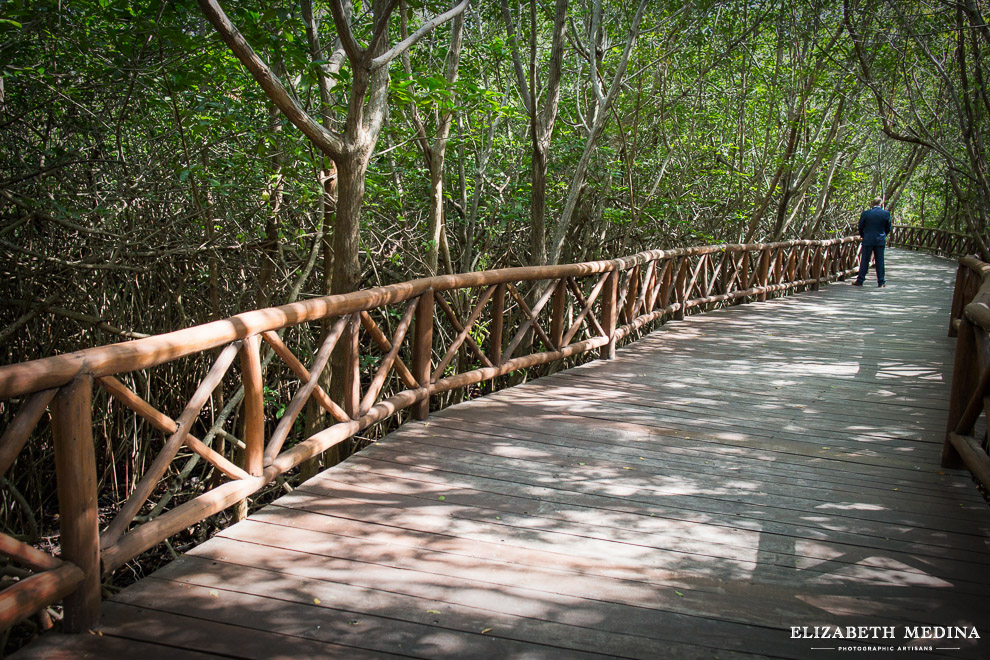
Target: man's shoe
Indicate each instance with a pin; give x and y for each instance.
(880, 286)
(857, 283)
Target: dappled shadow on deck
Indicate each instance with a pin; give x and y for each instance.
(721, 481)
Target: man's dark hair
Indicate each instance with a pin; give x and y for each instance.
(877, 201)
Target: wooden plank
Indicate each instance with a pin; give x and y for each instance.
(74, 647)
(410, 576)
(599, 518)
(460, 566)
(376, 619)
(343, 546)
(838, 516)
(630, 441)
(487, 449)
(802, 443)
(824, 414)
(154, 624)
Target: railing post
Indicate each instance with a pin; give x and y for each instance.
(558, 310)
(817, 268)
(650, 295)
(744, 275)
(632, 295)
(843, 260)
(680, 287)
(423, 349)
(610, 302)
(352, 375)
(958, 298)
(254, 406)
(75, 470)
(723, 273)
(964, 380)
(498, 322)
(791, 269)
(764, 274)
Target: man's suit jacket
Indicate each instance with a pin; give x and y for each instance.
(874, 225)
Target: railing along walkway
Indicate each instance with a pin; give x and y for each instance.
(725, 479)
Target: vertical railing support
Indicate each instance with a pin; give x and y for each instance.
(558, 310)
(964, 379)
(423, 349)
(610, 302)
(498, 322)
(75, 469)
(791, 269)
(764, 274)
(650, 289)
(744, 275)
(830, 261)
(352, 375)
(680, 287)
(632, 295)
(852, 257)
(254, 406)
(958, 298)
(723, 273)
(818, 268)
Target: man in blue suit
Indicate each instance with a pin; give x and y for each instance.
(874, 225)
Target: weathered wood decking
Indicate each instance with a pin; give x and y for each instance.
(722, 480)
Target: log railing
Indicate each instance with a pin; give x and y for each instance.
(970, 322)
(401, 343)
(942, 242)
(968, 402)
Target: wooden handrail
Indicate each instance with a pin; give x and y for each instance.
(577, 308)
(27, 377)
(943, 242)
(969, 321)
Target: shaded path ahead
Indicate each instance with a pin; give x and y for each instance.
(721, 481)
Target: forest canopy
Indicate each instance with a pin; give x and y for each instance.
(165, 164)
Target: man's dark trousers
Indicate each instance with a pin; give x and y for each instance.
(864, 263)
(874, 225)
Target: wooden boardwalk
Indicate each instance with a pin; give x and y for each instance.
(721, 481)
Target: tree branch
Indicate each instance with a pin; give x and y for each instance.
(426, 28)
(354, 51)
(888, 129)
(328, 142)
(510, 31)
(381, 27)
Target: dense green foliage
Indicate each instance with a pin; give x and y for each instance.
(148, 183)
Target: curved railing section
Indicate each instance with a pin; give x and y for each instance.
(970, 323)
(402, 344)
(941, 242)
